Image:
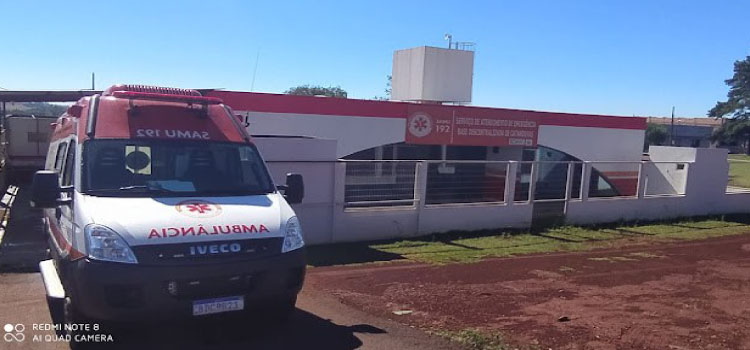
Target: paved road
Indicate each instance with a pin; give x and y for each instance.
(320, 322)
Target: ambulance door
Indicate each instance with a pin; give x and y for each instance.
(63, 214)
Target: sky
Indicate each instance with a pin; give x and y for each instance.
(603, 57)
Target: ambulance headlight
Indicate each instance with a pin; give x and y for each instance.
(104, 244)
(293, 238)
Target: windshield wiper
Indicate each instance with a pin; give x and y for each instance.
(236, 192)
(147, 188)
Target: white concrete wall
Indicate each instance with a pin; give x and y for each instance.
(594, 144)
(432, 74)
(314, 159)
(664, 178)
(705, 191)
(468, 217)
(325, 219)
(353, 133)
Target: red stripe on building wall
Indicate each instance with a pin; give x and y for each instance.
(279, 103)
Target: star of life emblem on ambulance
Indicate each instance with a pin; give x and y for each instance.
(198, 208)
(420, 124)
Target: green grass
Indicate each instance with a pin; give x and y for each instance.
(739, 172)
(474, 339)
(739, 157)
(474, 246)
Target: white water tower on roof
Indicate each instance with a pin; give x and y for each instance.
(432, 74)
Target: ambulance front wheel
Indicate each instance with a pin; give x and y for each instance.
(71, 318)
(280, 311)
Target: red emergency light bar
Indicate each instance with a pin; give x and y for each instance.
(151, 89)
(145, 92)
(166, 97)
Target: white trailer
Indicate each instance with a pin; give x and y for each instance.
(25, 139)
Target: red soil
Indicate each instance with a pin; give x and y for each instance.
(692, 295)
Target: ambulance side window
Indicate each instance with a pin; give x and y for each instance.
(67, 178)
(60, 156)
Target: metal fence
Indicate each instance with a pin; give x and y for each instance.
(398, 183)
(380, 183)
(465, 182)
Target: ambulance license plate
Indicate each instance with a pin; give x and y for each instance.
(218, 305)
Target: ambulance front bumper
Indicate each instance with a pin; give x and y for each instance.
(131, 292)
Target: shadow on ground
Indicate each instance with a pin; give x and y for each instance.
(347, 253)
(24, 242)
(303, 331)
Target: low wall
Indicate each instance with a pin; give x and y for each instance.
(665, 190)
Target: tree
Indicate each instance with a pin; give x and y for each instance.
(316, 90)
(387, 91)
(37, 108)
(655, 135)
(736, 108)
(734, 132)
(388, 87)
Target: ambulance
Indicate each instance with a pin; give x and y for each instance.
(158, 205)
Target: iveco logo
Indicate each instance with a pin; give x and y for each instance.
(215, 249)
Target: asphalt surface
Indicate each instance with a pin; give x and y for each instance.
(320, 321)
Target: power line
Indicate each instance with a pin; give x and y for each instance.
(255, 70)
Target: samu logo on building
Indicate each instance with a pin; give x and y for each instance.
(14, 332)
(420, 124)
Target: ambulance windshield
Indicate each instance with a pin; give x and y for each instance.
(169, 168)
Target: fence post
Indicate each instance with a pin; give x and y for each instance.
(532, 180)
(420, 184)
(585, 180)
(339, 194)
(569, 181)
(339, 198)
(510, 182)
(420, 190)
(641, 181)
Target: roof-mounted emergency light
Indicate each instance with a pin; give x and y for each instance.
(145, 92)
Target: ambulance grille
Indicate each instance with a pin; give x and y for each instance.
(205, 252)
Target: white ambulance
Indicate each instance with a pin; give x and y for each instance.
(158, 205)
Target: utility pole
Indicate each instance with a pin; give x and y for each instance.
(671, 132)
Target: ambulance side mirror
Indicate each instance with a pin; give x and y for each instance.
(295, 188)
(45, 190)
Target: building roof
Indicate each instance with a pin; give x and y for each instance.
(349, 107)
(280, 103)
(44, 95)
(702, 121)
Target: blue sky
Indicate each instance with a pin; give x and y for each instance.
(606, 57)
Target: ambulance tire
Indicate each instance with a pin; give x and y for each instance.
(71, 316)
(280, 311)
(57, 314)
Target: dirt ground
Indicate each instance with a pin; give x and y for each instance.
(691, 295)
